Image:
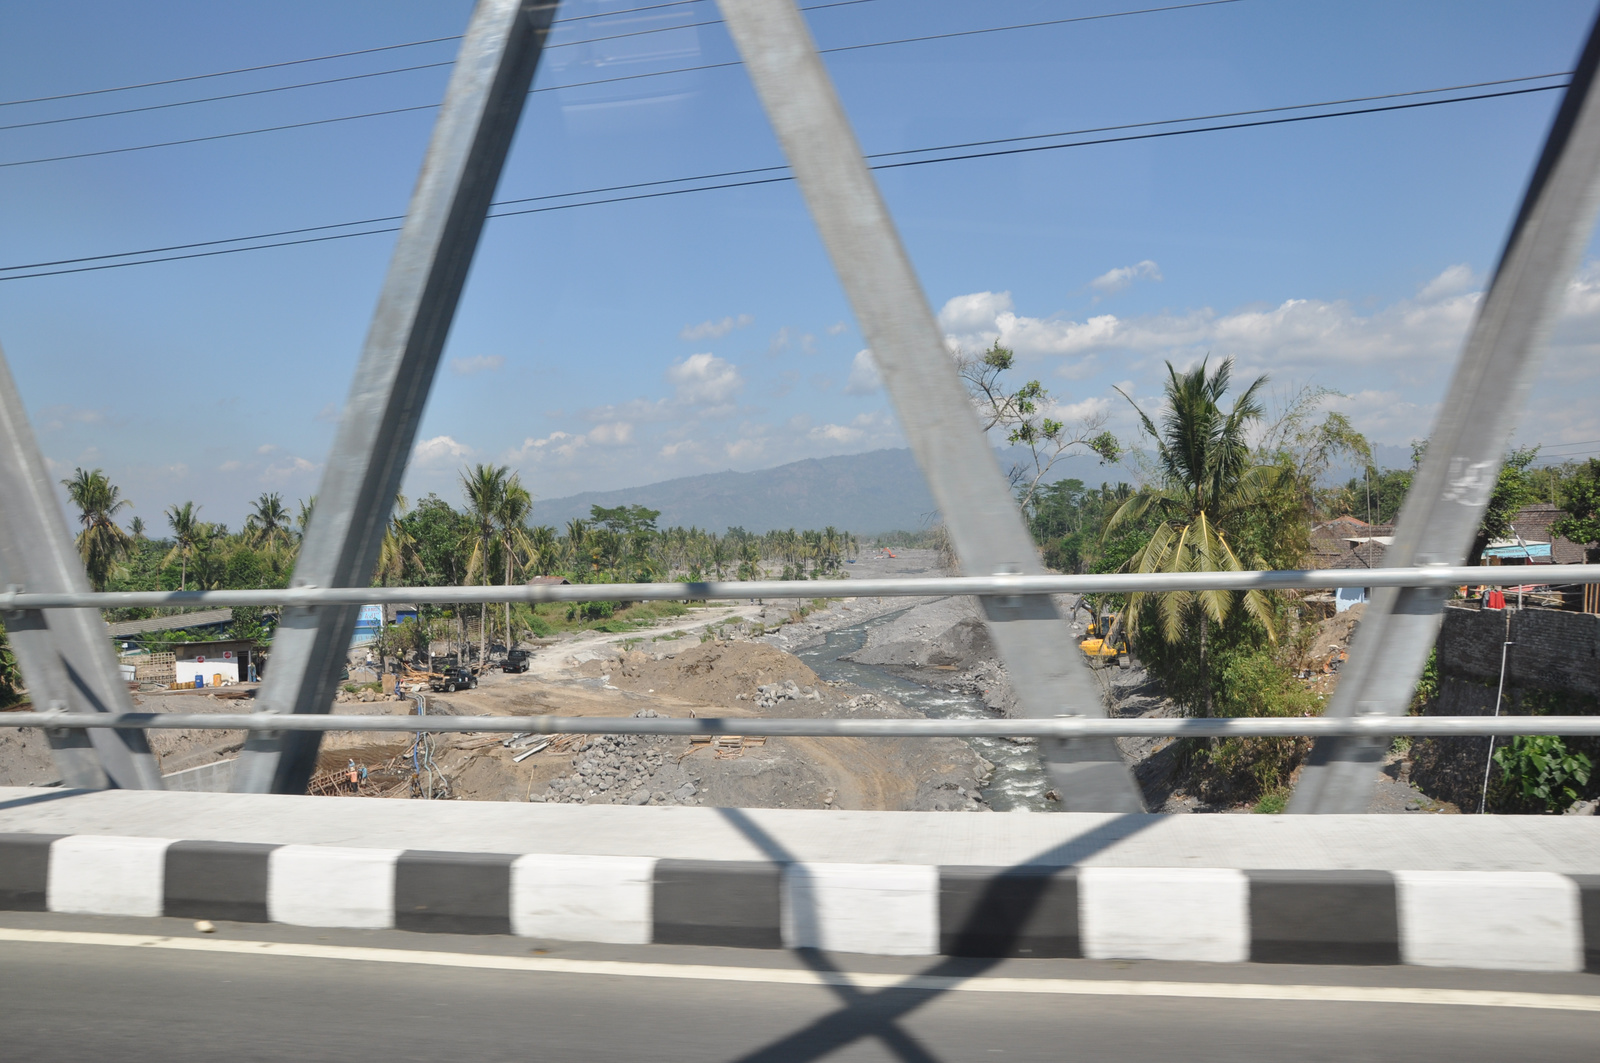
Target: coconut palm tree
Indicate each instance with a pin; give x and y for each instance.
(267, 526)
(101, 542)
(302, 520)
(188, 532)
(511, 521)
(485, 489)
(1209, 484)
(399, 545)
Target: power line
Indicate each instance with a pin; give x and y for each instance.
(777, 177)
(421, 107)
(335, 55)
(364, 51)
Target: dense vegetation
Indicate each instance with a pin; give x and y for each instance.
(489, 539)
(1227, 485)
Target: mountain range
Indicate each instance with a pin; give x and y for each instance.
(870, 493)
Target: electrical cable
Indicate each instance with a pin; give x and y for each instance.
(779, 176)
(338, 55)
(422, 107)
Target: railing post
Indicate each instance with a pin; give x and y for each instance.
(972, 494)
(1451, 491)
(471, 137)
(65, 654)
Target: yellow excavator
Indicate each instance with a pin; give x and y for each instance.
(1105, 640)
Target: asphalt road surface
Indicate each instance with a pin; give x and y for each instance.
(77, 988)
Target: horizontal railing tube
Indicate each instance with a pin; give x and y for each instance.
(1058, 727)
(1114, 583)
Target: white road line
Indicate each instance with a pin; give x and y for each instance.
(1473, 998)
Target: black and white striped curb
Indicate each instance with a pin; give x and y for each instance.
(1508, 920)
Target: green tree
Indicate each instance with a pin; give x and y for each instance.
(101, 543)
(188, 533)
(1513, 489)
(1209, 484)
(398, 547)
(511, 522)
(1024, 418)
(10, 675)
(1580, 498)
(267, 526)
(485, 488)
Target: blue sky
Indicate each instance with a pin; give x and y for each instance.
(621, 344)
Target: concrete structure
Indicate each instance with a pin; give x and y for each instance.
(1480, 892)
(213, 663)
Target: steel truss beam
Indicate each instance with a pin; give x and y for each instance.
(972, 494)
(65, 654)
(471, 138)
(1448, 498)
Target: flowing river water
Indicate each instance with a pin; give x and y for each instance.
(1018, 781)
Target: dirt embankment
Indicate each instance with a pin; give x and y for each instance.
(715, 678)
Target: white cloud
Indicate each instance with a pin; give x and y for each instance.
(864, 377)
(1453, 281)
(973, 313)
(440, 450)
(230, 466)
(836, 328)
(611, 434)
(329, 413)
(682, 446)
(266, 448)
(478, 363)
(1078, 412)
(1311, 334)
(787, 337)
(835, 433)
(705, 379)
(714, 330)
(287, 469)
(1113, 281)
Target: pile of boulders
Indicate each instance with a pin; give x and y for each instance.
(624, 770)
(768, 695)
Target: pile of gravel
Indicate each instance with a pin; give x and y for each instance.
(625, 770)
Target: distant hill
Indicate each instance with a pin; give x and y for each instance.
(879, 491)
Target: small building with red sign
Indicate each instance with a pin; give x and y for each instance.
(215, 663)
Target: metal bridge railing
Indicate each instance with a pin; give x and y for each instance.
(1435, 577)
(1057, 727)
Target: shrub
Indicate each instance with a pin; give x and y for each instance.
(1541, 771)
(1252, 769)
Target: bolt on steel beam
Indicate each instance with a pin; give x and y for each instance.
(1451, 491)
(65, 654)
(444, 221)
(972, 494)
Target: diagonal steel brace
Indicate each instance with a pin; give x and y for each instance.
(1439, 520)
(982, 518)
(471, 138)
(65, 654)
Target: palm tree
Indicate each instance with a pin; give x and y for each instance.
(485, 488)
(268, 524)
(511, 521)
(399, 545)
(188, 532)
(101, 542)
(1208, 486)
(302, 520)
